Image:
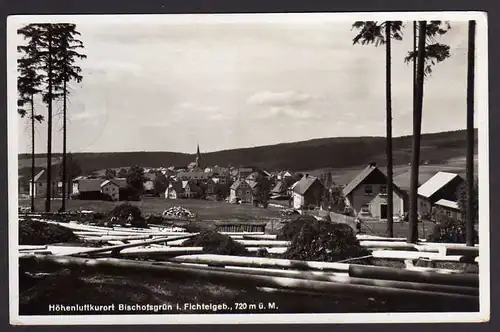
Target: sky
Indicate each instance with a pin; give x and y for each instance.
(167, 85)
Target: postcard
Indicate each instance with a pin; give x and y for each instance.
(248, 168)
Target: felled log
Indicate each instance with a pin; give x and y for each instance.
(223, 260)
(116, 249)
(403, 255)
(387, 273)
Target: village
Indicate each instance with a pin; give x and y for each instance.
(364, 197)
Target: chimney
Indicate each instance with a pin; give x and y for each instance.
(373, 164)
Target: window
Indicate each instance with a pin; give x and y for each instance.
(368, 190)
(248, 192)
(448, 213)
(239, 192)
(383, 189)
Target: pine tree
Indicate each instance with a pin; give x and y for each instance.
(28, 85)
(372, 32)
(66, 53)
(428, 53)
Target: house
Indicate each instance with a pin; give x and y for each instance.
(87, 188)
(212, 186)
(191, 189)
(443, 185)
(40, 185)
(174, 190)
(448, 208)
(242, 190)
(111, 189)
(307, 191)
(367, 194)
(280, 189)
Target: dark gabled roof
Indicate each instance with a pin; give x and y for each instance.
(360, 178)
(304, 184)
(236, 184)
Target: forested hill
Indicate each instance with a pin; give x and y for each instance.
(336, 152)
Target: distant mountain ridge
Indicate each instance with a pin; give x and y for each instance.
(335, 152)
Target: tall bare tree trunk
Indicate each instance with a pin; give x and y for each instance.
(417, 124)
(470, 135)
(49, 122)
(64, 170)
(390, 206)
(32, 184)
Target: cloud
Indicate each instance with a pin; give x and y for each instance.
(283, 104)
(278, 99)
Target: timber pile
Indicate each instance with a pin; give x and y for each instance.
(171, 258)
(327, 279)
(178, 212)
(380, 247)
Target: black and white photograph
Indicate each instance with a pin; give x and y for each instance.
(248, 168)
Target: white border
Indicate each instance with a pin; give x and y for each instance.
(481, 89)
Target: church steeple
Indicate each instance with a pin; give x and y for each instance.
(198, 156)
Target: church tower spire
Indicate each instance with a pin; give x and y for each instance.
(198, 156)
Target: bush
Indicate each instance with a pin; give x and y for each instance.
(216, 243)
(450, 231)
(324, 241)
(292, 228)
(36, 232)
(122, 212)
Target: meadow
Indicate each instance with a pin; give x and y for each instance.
(209, 212)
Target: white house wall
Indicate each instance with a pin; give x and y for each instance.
(112, 190)
(298, 201)
(357, 198)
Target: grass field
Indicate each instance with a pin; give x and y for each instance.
(205, 210)
(209, 211)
